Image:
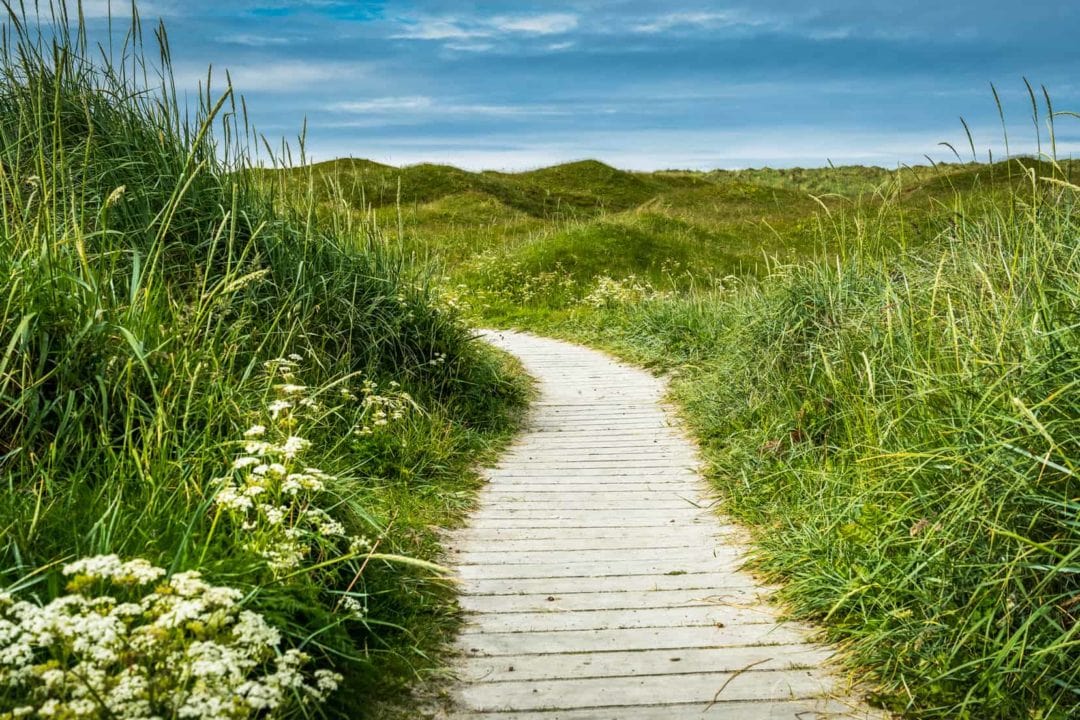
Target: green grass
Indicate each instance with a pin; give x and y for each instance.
(147, 281)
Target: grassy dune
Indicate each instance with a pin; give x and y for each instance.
(882, 368)
(197, 377)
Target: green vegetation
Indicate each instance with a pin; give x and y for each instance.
(883, 377)
(196, 380)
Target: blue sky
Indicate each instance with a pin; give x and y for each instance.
(640, 85)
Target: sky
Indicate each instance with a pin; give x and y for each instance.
(637, 84)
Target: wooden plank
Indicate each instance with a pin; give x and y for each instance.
(610, 583)
(805, 709)
(687, 513)
(657, 468)
(593, 568)
(584, 521)
(480, 535)
(616, 504)
(754, 686)
(563, 666)
(654, 544)
(560, 619)
(614, 600)
(504, 557)
(512, 643)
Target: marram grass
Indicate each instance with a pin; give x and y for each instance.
(195, 377)
(901, 431)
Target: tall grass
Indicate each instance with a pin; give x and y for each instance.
(901, 430)
(146, 282)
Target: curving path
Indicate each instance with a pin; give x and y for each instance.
(597, 582)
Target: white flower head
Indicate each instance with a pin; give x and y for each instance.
(277, 407)
(294, 446)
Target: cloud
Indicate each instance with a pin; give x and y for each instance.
(255, 40)
(693, 20)
(464, 28)
(467, 46)
(117, 9)
(384, 105)
(437, 29)
(550, 24)
(280, 76)
(409, 107)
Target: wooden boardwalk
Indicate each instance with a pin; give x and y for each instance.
(599, 584)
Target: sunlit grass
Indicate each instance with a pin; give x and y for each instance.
(900, 429)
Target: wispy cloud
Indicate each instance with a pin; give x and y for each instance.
(691, 20)
(249, 40)
(438, 29)
(117, 9)
(416, 105)
(466, 27)
(549, 24)
(281, 76)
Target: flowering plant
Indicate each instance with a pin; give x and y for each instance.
(125, 642)
(272, 495)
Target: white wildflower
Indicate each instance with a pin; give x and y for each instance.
(100, 567)
(258, 447)
(277, 407)
(230, 499)
(87, 657)
(255, 431)
(294, 446)
(138, 572)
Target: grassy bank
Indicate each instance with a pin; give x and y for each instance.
(198, 377)
(901, 433)
(899, 428)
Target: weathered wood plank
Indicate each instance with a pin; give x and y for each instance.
(609, 583)
(702, 688)
(615, 600)
(654, 544)
(562, 666)
(503, 557)
(560, 619)
(512, 643)
(806, 709)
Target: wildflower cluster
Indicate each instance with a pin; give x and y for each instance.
(381, 407)
(454, 302)
(272, 494)
(609, 292)
(511, 281)
(124, 643)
